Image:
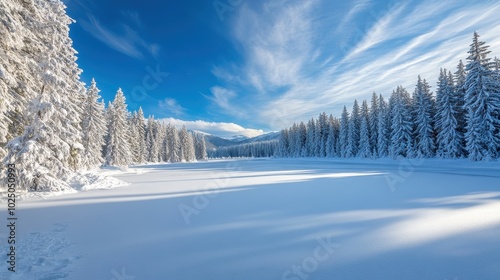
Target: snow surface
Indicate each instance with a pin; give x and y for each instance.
(270, 219)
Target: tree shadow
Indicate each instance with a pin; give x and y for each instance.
(270, 217)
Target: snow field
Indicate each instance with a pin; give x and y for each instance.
(271, 219)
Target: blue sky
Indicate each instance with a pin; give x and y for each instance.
(241, 67)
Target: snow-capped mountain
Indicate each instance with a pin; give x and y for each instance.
(213, 141)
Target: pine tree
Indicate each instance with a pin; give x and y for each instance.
(383, 128)
(190, 148)
(458, 101)
(302, 138)
(117, 149)
(42, 79)
(364, 142)
(93, 127)
(482, 104)
(35, 40)
(354, 128)
(322, 134)
(152, 141)
(138, 137)
(5, 101)
(373, 124)
(283, 146)
(401, 124)
(163, 142)
(449, 138)
(331, 149)
(201, 146)
(291, 140)
(173, 144)
(186, 144)
(344, 133)
(311, 138)
(364, 132)
(424, 115)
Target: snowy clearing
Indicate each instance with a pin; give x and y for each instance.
(270, 219)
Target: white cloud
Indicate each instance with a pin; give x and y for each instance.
(220, 129)
(128, 41)
(171, 106)
(377, 33)
(221, 96)
(291, 59)
(356, 8)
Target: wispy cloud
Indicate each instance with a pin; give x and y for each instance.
(171, 106)
(221, 96)
(223, 99)
(127, 40)
(220, 129)
(378, 32)
(356, 8)
(134, 17)
(295, 65)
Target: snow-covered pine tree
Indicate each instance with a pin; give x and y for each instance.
(293, 138)
(5, 100)
(93, 127)
(8, 35)
(31, 32)
(373, 124)
(133, 137)
(174, 144)
(152, 143)
(203, 148)
(482, 103)
(42, 79)
(164, 142)
(118, 147)
(190, 149)
(331, 149)
(423, 105)
(322, 134)
(383, 128)
(353, 135)
(311, 138)
(200, 146)
(302, 138)
(283, 144)
(160, 140)
(401, 124)
(364, 132)
(108, 111)
(344, 132)
(138, 137)
(459, 103)
(449, 138)
(185, 145)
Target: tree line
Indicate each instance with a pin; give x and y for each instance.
(248, 150)
(462, 119)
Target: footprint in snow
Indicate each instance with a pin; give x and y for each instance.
(41, 256)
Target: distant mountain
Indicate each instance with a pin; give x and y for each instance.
(213, 141)
(238, 138)
(264, 137)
